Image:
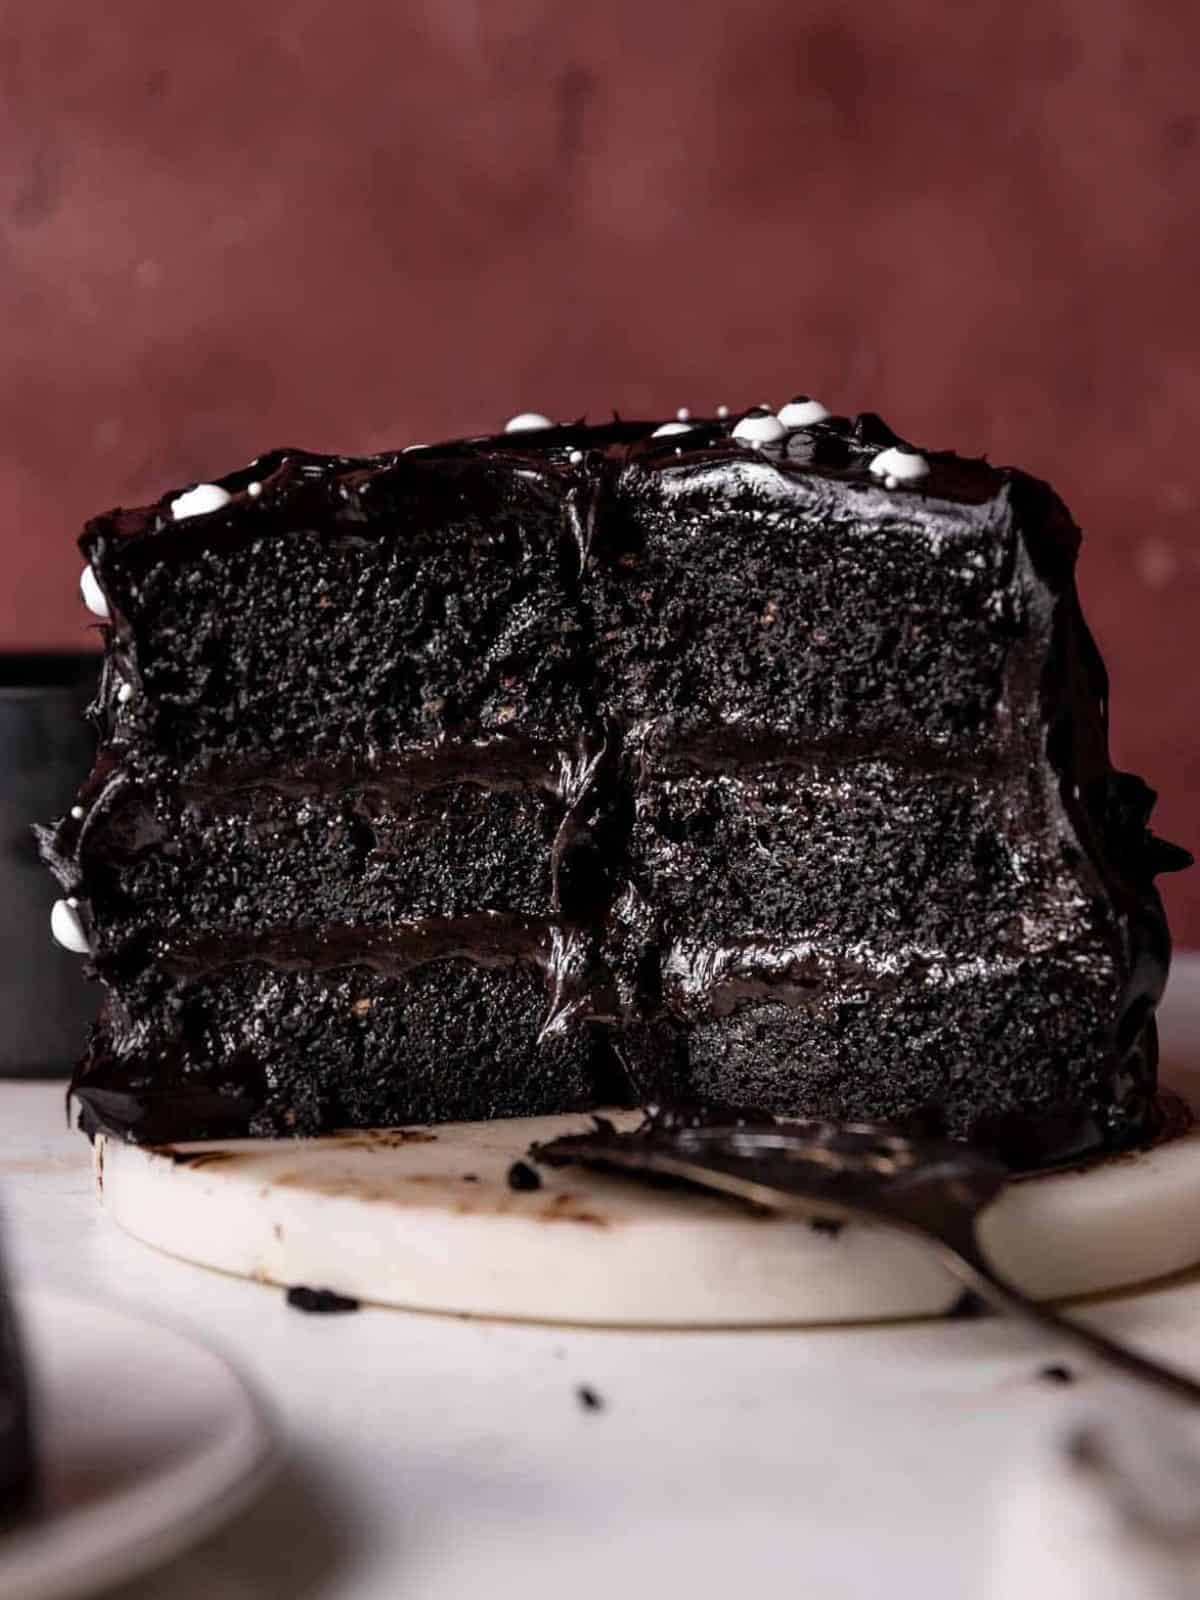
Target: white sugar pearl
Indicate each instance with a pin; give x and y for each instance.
(802, 412)
(78, 813)
(527, 422)
(93, 595)
(683, 414)
(671, 427)
(722, 412)
(67, 927)
(760, 427)
(254, 489)
(897, 466)
(125, 693)
(575, 457)
(198, 502)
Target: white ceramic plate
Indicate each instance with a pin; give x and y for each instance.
(146, 1440)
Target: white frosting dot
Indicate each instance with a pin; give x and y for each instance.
(575, 457)
(67, 927)
(896, 466)
(527, 422)
(802, 412)
(78, 813)
(760, 427)
(683, 414)
(722, 412)
(125, 693)
(93, 594)
(254, 489)
(671, 427)
(198, 502)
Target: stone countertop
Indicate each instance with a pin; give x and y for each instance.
(443, 1458)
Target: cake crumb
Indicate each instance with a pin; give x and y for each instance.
(1056, 1372)
(830, 1226)
(969, 1304)
(588, 1398)
(521, 1176)
(320, 1300)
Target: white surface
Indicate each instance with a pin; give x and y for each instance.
(424, 1218)
(1107, 1508)
(146, 1442)
(443, 1459)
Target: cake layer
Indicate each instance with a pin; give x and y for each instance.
(1020, 1058)
(445, 832)
(883, 854)
(251, 1049)
(758, 598)
(346, 609)
(248, 862)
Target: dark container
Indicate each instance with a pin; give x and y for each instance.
(46, 750)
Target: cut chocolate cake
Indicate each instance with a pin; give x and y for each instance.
(759, 760)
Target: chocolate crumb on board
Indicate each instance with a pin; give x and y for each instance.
(831, 1226)
(588, 1398)
(320, 1300)
(522, 1177)
(969, 1304)
(1056, 1373)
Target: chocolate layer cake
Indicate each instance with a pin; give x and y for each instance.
(756, 759)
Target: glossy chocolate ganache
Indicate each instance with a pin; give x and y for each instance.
(759, 759)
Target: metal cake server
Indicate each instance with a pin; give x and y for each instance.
(930, 1189)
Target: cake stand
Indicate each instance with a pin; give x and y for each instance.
(425, 1218)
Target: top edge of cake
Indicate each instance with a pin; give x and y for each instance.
(858, 456)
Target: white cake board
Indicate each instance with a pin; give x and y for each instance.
(425, 1219)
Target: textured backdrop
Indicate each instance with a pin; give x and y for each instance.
(350, 225)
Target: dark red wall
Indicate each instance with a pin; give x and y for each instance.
(227, 226)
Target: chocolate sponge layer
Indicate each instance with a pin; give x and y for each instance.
(342, 613)
(256, 861)
(250, 1050)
